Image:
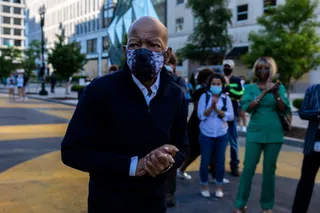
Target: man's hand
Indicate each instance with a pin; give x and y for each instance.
(159, 159)
(140, 171)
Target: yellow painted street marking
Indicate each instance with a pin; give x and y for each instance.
(5, 104)
(66, 114)
(20, 132)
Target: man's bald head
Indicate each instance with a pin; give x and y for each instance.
(145, 31)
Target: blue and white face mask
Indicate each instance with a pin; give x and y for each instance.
(145, 64)
(216, 90)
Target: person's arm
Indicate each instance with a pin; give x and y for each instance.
(203, 111)
(235, 90)
(179, 136)
(283, 103)
(248, 102)
(305, 112)
(80, 149)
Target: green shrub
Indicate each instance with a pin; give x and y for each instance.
(75, 79)
(297, 103)
(77, 88)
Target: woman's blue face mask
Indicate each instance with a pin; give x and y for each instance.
(216, 90)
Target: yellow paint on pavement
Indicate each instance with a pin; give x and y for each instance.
(20, 132)
(66, 114)
(32, 104)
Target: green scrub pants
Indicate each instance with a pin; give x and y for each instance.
(252, 157)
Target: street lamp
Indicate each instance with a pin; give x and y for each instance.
(42, 12)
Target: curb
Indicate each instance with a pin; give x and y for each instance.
(52, 101)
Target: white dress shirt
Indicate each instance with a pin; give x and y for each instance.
(212, 125)
(154, 89)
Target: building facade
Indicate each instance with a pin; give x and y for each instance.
(245, 14)
(12, 23)
(97, 26)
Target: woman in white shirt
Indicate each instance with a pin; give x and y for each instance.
(214, 110)
(11, 82)
(20, 82)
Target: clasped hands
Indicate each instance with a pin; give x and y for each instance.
(157, 161)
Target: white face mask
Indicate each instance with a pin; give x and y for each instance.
(169, 68)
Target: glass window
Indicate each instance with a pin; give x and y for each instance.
(6, 9)
(92, 46)
(89, 26)
(242, 12)
(17, 43)
(6, 0)
(85, 27)
(6, 42)
(17, 32)
(267, 4)
(78, 44)
(17, 10)
(105, 44)
(98, 24)
(17, 21)
(6, 31)
(94, 25)
(180, 1)
(17, 1)
(6, 20)
(179, 24)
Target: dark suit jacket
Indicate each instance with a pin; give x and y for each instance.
(113, 123)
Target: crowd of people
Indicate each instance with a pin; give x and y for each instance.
(134, 143)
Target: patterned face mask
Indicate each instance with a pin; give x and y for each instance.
(145, 64)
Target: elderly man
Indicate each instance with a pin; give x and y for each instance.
(130, 139)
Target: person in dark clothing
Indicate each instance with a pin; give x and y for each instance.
(128, 141)
(310, 111)
(172, 175)
(235, 91)
(53, 82)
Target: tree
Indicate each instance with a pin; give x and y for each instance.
(289, 35)
(210, 40)
(66, 59)
(10, 60)
(30, 55)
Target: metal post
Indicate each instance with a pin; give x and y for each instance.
(43, 91)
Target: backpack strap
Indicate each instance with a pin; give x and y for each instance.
(207, 98)
(224, 108)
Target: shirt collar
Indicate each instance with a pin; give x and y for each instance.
(154, 87)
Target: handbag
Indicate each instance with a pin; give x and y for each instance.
(286, 120)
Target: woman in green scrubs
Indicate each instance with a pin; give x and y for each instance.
(264, 100)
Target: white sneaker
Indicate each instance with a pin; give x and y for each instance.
(219, 194)
(244, 129)
(205, 193)
(183, 175)
(214, 181)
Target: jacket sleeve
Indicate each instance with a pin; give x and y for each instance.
(235, 90)
(179, 136)
(247, 98)
(79, 148)
(305, 112)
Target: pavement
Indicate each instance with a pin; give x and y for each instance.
(34, 180)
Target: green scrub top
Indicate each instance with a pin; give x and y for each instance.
(265, 125)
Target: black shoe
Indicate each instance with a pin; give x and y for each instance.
(170, 200)
(235, 172)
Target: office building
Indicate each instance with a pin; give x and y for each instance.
(12, 23)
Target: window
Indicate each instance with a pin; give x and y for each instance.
(17, 21)
(89, 26)
(242, 12)
(17, 1)
(105, 44)
(267, 4)
(77, 30)
(6, 42)
(6, 20)
(17, 10)
(6, 31)
(179, 24)
(6, 0)
(85, 27)
(180, 1)
(92, 46)
(17, 32)
(78, 44)
(17, 43)
(94, 25)
(107, 14)
(6, 9)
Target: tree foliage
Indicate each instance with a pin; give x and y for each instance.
(10, 60)
(210, 40)
(30, 55)
(66, 59)
(288, 34)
